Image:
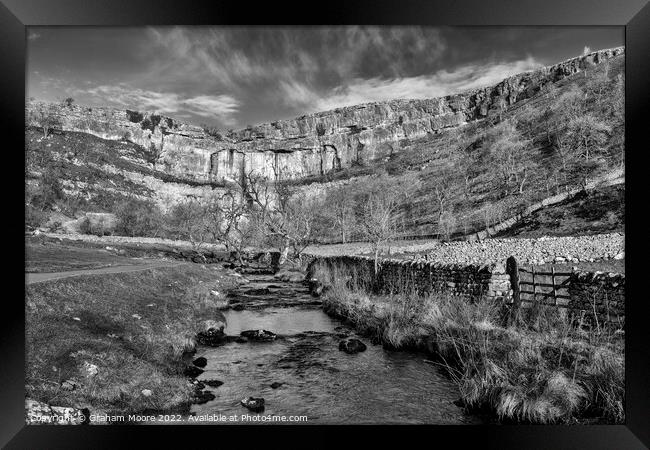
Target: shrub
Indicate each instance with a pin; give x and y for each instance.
(138, 218)
(44, 116)
(34, 217)
(147, 125)
(212, 131)
(86, 226)
(134, 116)
(48, 192)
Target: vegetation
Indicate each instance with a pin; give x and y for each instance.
(488, 170)
(541, 369)
(45, 117)
(137, 217)
(212, 131)
(284, 219)
(113, 336)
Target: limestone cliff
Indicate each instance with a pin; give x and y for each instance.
(313, 144)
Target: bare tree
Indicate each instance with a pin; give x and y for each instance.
(340, 202)
(505, 145)
(443, 184)
(587, 135)
(283, 218)
(379, 212)
(446, 224)
(44, 116)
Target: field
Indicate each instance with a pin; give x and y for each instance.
(44, 255)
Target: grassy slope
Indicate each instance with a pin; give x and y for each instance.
(131, 353)
(599, 211)
(93, 166)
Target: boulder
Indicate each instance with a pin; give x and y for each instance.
(290, 276)
(212, 383)
(254, 404)
(192, 371)
(259, 335)
(352, 345)
(201, 397)
(212, 334)
(200, 362)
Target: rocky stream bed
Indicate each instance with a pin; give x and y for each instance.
(279, 355)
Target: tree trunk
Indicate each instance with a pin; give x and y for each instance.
(285, 252)
(376, 259)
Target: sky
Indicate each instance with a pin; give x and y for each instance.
(231, 77)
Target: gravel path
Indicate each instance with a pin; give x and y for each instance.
(31, 278)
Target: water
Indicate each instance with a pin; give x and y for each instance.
(319, 381)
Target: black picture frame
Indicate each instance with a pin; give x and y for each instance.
(634, 15)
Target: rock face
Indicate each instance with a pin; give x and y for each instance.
(312, 144)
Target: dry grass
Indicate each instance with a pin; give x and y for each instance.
(115, 335)
(543, 369)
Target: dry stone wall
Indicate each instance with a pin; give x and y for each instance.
(596, 298)
(395, 276)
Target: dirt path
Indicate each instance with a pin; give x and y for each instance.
(40, 277)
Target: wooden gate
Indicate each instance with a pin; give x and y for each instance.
(538, 285)
(544, 286)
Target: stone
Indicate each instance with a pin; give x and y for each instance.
(290, 276)
(253, 404)
(212, 334)
(41, 413)
(276, 385)
(91, 369)
(200, 362)
(192, 371)
(352, 345)
(212, 383)
(147, 392)
(69, 385)
(259, 335)
(201, 397)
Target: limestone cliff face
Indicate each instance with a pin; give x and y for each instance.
(317, 143)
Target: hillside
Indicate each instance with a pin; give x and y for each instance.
(446, 149)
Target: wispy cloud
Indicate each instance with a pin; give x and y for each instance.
(219, 107)
(441, 83)
(233, 75)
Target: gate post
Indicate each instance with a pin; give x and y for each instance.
(512, 268)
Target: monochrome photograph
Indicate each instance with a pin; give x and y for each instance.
(325, 225)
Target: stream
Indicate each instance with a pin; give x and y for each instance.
(328, 386)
